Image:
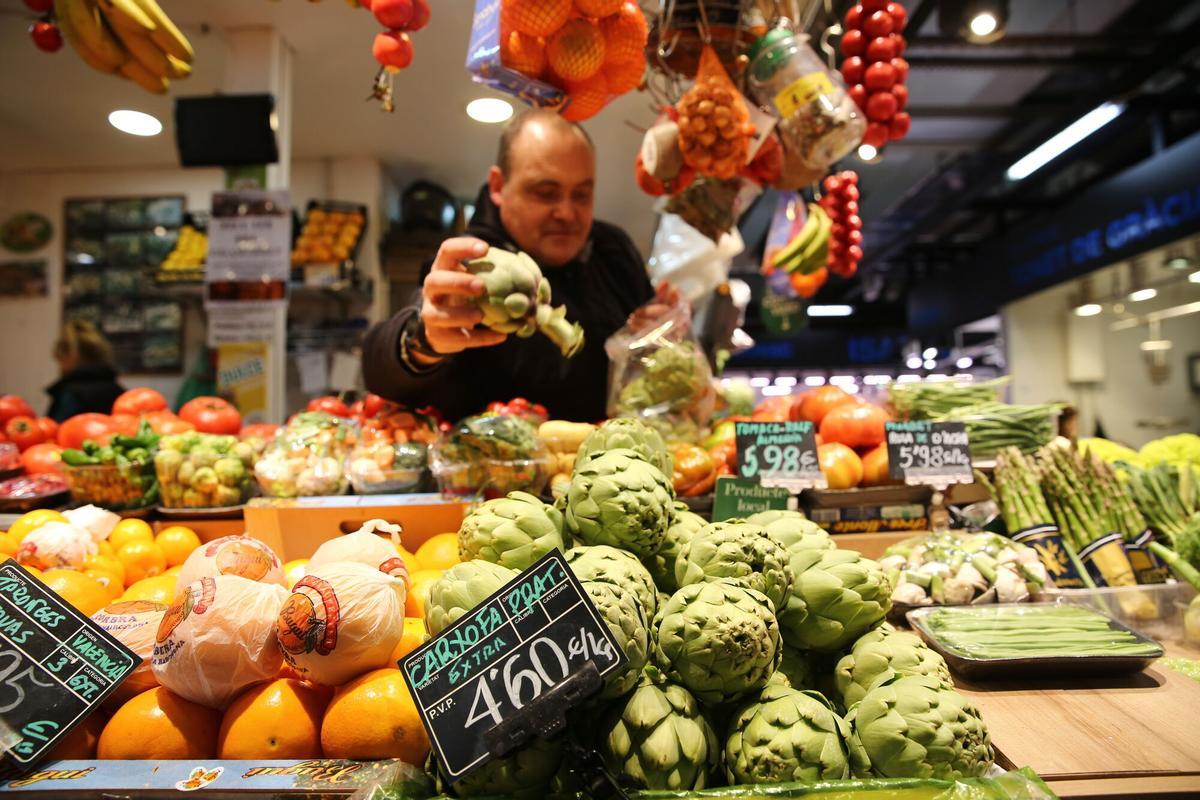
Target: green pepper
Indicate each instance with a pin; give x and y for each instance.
(77, 458)
(106, 455)
(90, 447)
(138, 455)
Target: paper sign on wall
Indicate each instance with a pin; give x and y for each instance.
(242, 375)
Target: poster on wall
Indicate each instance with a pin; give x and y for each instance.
(242, 377)
(23, 279)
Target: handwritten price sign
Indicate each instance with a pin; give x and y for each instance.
(779, 454)
(929, 452)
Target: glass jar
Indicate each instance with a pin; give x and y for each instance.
(817, 119)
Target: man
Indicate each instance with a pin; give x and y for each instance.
(538, 199)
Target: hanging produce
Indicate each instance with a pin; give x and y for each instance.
(714, 125)
(875, 70)
(845, 232)
(393, 47)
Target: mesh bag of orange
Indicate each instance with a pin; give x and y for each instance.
(714, 122)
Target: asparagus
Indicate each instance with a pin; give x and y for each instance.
(1033, 631)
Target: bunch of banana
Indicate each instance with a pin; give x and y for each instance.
(134, 39)
(189, 253)
(809, 250)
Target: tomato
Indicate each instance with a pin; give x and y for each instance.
(44, 457)
(96, 427)
(853, 43)
(124, 424)
(166, 427)
(842, 467)
(818, 402)
(875, 467)
(211, 415)
(330, 405)
(13, 406)
(854, 424)
(879, 23)
(49, 429)
(772, 409)
(261, 430)
(880, 76)
(23, 432)
(139, 401)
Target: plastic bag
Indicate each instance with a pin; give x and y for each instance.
(341, 620)
(689, 260)
(714, 123)
(659, 373)
(217, 638)
(133, 623)
(95, 520)
(366, 546)
(56, 544)
(240, 555)
(307, 457)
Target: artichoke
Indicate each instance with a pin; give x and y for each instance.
(659, 737)
(917, 727)
(683, 527)
(621, 568)
(882, 654)
(672, 376)
(624, 616)
(793, 531)
(517, 300)
(787, 735)
(460, 589)
(513, 531)
(837, 596)
(627, 434)
(525, 774)
(795, 670)
(719, 639)
(739, 551)
(617, 498)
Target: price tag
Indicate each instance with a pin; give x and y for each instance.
(741, 497)
(934, 453)
(510, 653)
(56, 666)
(779, 455)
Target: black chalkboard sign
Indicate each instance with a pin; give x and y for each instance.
(779, 454)
(934, 453)
(56, 666)
(513, 653)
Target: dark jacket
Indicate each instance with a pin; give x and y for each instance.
(91, 387)
(600, 289)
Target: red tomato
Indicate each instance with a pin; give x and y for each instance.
(852, 72)
(44, 457)
(853, 20)
(260, 430)
(124, 424)
(879, 23)
(13, 406)
(881, 48)
(96, 427)
(879, 77)
(211, 415)
(330, 405)
(898, 14)
(49, 429)
(875, 467)
(901, 68)
(139, 401)
(854, 424)
(23, 432)
(900, 92)
(853, 43)
(898, 127)
(818, 402)
(842, 467)
(773, 409)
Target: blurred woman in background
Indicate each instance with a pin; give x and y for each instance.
(88, 379)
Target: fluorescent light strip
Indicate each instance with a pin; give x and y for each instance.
(1064, 140)
(830, 311)
(776, 391)
(785, 380)
(814, 380)
(760, 382)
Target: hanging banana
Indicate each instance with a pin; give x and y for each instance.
(166, 34)
(127, 15)
(84, 19)
(134, 39)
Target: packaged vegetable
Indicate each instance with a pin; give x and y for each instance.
(203, 470)
(387, 467)
(307, 457)
(134, 623)
(240, 555)
(118, 475)
(492, 454)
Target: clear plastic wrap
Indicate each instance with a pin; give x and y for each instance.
(56, 544)
(134, 623)
(307, 457)
(240, 555)
(492, 455)
(201, 470)
(380, 466)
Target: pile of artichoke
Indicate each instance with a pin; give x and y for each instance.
(757, 649)
(516, 299)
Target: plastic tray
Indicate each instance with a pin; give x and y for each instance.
(1153, 610)
(1037, 666)
(220, 512)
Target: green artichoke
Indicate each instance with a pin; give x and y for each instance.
(624, 616)
(719, 639)
(513, 531)
(917, 727)
(795, 670)
(683, 527)
(671, 378)
(787, 735)
(773, 515)
(627, 434)
(882, 654)
(740, 551)
(793, 531)
(617, 498)
(837, 596)
(517, 300)
(525, 774)
(659, 737)
(621, 568)
(460, 589)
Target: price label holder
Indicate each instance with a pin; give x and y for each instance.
(779, 455)
(56, 667)
(511, 668)
(930, 453)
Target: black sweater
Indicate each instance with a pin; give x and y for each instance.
(87, 388)
(600, 289)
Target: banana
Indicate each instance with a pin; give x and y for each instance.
(93, 35)
(72, 36)
(155, 84)
(128, 15)
(144, 52)
(167, 34)
(799, 242)
(805, 260)
(177, 68)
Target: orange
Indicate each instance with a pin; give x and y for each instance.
(411, 564)
(418, 589)
(32, 520)
(587, 98)
(598, 8)
(280, 719)
(576, 51)
(439, 552)
(524, 53)
(158, 725)
(106, 564)
(373, 716)
(80, 744)
(293, 571)
(142, 559)
(159, 589)
(624, 34)
(177, 543)
(8, 544)
(106, 549)
(624, 76)
(130, 530)
(534, 17)
(35, 572)
(414, 636)
(175, 570)
(85, 593)
(111, 582)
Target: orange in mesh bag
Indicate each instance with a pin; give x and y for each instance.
(217, 638)
(714, 124)
(133, 623)
(341, 620)
(239, 555)
(366, 546)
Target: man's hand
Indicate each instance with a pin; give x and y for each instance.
(447, 309)
(665, 297)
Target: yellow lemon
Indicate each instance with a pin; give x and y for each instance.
(33, 520)
(130, 530)
(159, 589)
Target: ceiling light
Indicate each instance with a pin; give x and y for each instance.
(850, 388)
(1155, 345)
(776, 391)
(1194, 277)
(830, 311)
(937, 377)
(1088, 309)
(814, 380)
(913, 362)
(877, 380)
(908, 379)
(930, 363)
(135, 123)
(1142, 294)
(984, 24)
(760, 382)
(868, 152)
(843, 380)
(930, 352)
(489, 110)
(1064, 140)
(964, 363)
(785, 380)
(1177, 260)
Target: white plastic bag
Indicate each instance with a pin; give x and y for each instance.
(133, 623)
(689, 260)
(365, 546)
(95, 520)
(56, 544)
(239, 555)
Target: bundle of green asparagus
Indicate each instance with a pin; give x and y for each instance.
(928, 400)
(1017, 490)
(991, 427)
(1166, 496)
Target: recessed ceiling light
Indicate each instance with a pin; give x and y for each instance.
(913, 362)
(984, 24)
(1088, 310)
(867, 152)
(489, 110)
(1142, 294)
(135, 123)
(930, 363)
(930, 352)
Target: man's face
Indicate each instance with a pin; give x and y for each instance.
(545, 199)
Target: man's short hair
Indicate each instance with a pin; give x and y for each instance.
(514, 127)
